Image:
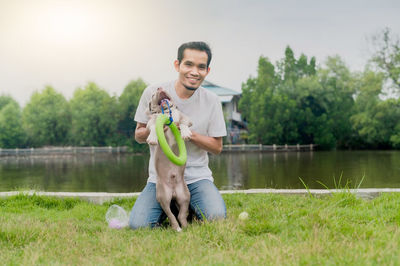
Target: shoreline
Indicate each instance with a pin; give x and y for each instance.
(101, 197)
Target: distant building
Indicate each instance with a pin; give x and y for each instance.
(229, 99)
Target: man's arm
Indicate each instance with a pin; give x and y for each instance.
(141, 133)
(210, 144)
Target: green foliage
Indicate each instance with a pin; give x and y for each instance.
(46, 118)
(5, 99)
(337, 92)
(11, 131)
(262, 106)
(94, 117)
(291, 69)
(387, 56)
(91, 118)
(294, 103)
(128, 103)
(376, 123)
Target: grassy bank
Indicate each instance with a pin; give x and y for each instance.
(338, 229)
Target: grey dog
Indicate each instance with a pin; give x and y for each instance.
(170, 184)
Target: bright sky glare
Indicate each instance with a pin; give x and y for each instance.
(65, 44)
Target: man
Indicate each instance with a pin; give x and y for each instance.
(208, 127)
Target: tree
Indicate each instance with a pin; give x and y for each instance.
(312, 118)
(268, 102)
(94, 117)
(266, 111)
(294, 103)
(11, 132)
(388, 126)
(376, 123)
(386, 56)
(46, 118)
(5, 99)
(291, 69)
(337, 96)
(369, 86)
(128, 103)
(308, 121)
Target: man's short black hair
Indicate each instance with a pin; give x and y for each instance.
(200, 46)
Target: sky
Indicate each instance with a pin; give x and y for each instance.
(66, 44)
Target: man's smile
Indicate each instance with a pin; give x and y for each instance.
(193, 79)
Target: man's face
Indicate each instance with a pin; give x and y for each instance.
(192, 69)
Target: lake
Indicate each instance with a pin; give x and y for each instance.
(128, 173)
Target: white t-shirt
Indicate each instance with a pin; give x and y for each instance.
(205, 112)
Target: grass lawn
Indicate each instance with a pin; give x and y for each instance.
(337, 229)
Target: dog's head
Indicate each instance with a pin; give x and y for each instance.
(157, 102)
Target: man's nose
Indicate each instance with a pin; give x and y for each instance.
(194, 71)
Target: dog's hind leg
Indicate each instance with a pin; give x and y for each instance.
(171, 216)
(183, 202)
(164, 197)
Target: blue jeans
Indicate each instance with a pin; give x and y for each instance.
(205, 201)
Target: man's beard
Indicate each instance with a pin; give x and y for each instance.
(190, 88)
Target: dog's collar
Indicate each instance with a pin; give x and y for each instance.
(169, 110)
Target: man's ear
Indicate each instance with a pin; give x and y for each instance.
(176, 65)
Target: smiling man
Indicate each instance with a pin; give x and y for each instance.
(208, 127)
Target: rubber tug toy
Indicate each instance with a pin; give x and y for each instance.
(162, 120)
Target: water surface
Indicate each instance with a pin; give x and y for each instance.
(128, 173)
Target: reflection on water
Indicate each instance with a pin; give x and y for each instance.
(128, 173)
(284, 169)
(109, 173)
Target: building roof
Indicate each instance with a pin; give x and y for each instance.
(220, 91)
(225, 99)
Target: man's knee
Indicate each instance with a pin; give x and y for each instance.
(146, 210)
(211, 213)
(207, 201)
(216, 213)
(137, 222)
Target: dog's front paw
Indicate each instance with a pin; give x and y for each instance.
(185, 132)
(152, 139)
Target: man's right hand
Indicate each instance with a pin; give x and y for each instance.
(141, 133)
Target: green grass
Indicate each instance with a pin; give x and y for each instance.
(291, 230)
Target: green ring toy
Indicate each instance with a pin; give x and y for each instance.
(178, 160)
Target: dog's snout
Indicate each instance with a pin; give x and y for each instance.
(162, 96)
